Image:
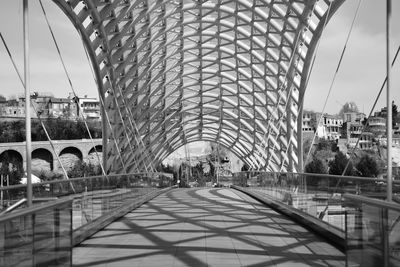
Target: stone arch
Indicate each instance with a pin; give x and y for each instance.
(139, 56)
(98, 148)
(95, 154)
(42, 159)
(69, 156)
(13, 158)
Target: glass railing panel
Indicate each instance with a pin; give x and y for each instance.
(17, 240)
(99, 199)
(43, 236)
(394, 236)
(372, 232)
(364, 237)
(52, 237)
(37, 236)
(94, 195)
(319, 195)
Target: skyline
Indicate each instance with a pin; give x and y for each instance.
(357, 84)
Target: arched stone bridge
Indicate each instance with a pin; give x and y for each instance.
(42, 150)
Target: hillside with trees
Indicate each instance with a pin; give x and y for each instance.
(58, 129)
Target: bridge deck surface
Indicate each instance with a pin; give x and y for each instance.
(205, 227)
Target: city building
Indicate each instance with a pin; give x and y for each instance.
(353, 117)
(46, 105)
(309, 120)
(366, 140)
(14, 108)
(382, 113)
(89, 108)
(352, 129)
(333, 126)
(329, 126)
(377, 126)
(41, 104)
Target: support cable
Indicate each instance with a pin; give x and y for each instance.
(124, 103)
(72, 87)
(335, 75)
(75, 95)
(370, 113)
(322, 214)
(36, 111)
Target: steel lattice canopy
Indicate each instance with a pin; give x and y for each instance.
(179, 71)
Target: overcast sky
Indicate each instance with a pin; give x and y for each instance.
(359, 79)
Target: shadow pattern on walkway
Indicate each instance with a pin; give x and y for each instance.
(205, 227)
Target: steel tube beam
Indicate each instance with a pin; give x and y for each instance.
(28, 140)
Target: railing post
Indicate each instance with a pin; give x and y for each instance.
(56, 233)
(346, 238)
(71, 229)
(385, 239)
(32, 221)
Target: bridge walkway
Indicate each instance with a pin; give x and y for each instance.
(205, 227)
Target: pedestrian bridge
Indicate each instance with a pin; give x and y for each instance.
(205, 227)
(170, 73)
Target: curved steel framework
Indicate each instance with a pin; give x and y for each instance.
(171, 72)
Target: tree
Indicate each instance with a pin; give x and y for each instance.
(330, 145)
(338, 165)
(245, 168)
(198, 173)
(367, 167)
(315, 166)
(83, 169)
(348, 107)
(12, 168)
(168, 169)
(2, 98)
(394, 113)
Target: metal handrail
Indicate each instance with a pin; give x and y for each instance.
(370, 179)
(14, 206)
(23, 200)
(33, 209)
(373, 202)
(10, 187)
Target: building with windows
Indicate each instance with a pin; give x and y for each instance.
(43, 105)
(329, 126)
(377, 126)
(366, 140)
(14, 108)
(309, 120)
(59, 107)
(333, 126)
(89, 108)
(382, 113)
(353, 117)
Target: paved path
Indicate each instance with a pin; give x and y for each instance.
(205, 227)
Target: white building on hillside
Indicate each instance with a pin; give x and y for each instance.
(90, 108)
